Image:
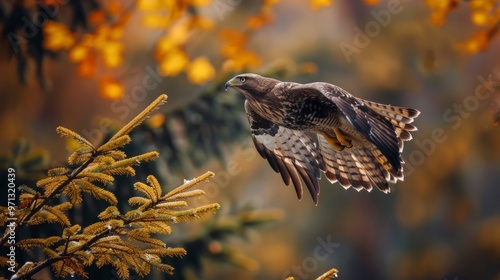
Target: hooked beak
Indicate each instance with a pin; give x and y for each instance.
(231, 83)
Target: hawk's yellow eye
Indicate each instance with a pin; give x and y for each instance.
(242, 79)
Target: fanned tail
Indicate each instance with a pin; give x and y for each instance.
(400, 117)
(364, 165)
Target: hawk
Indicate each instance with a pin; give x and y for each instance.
(359, 142)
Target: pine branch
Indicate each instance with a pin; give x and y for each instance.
(122, 224)
(141, 117)
(120, 138)
(45, 201)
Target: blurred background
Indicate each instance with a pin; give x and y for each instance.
(92, 65)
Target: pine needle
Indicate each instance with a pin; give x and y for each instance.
(117, 142)
(173, 204)
(135, 160)
(186, 194)
(332, 273)
(141, 117)
(190, 184)
(197, 212)
(70, 133)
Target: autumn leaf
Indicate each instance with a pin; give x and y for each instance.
(484, 12)
(439, 10)
(114, 7)
(173, 63)
(112, 54)
(96, 17)
(52, 2)
(244, 60)
(57, 36)
(479, 18)
(478, 42)
(78, 53)
(257, 21)
(115, 33)
(200, 70)
(156, 120)
(178, 34)
(201, 22)
(271, 2)
(87, 67)
(317, 4)
(438, 18)
(110, 88)
(146, 5)
(233, 41)
(198, 3)
(164, 47)
(155, 21)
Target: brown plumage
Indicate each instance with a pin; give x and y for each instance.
(359, 142)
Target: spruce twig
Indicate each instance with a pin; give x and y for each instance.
(141, 117)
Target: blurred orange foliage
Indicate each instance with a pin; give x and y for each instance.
(484, 14)
(110, 88)
(58, 36)
(180, 20)
(317, 4)
(200, 70)
(233, 49)
(371, 2)
(104, 43)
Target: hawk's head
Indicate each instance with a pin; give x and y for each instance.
(251, 85)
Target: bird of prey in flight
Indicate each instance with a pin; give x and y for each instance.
(359, 142)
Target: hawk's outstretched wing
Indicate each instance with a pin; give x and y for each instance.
(366, 120)
(385, 127)
(290, 152)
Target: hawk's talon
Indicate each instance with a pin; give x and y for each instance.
(334, 142)
(342, 139)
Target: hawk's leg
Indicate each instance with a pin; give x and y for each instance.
(344, 140)
(334, 142)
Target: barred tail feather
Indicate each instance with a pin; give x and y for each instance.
(377, 174)
(400, 117)
(358, 167)
(344, 167)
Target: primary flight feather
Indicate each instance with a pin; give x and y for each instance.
(359, 142)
